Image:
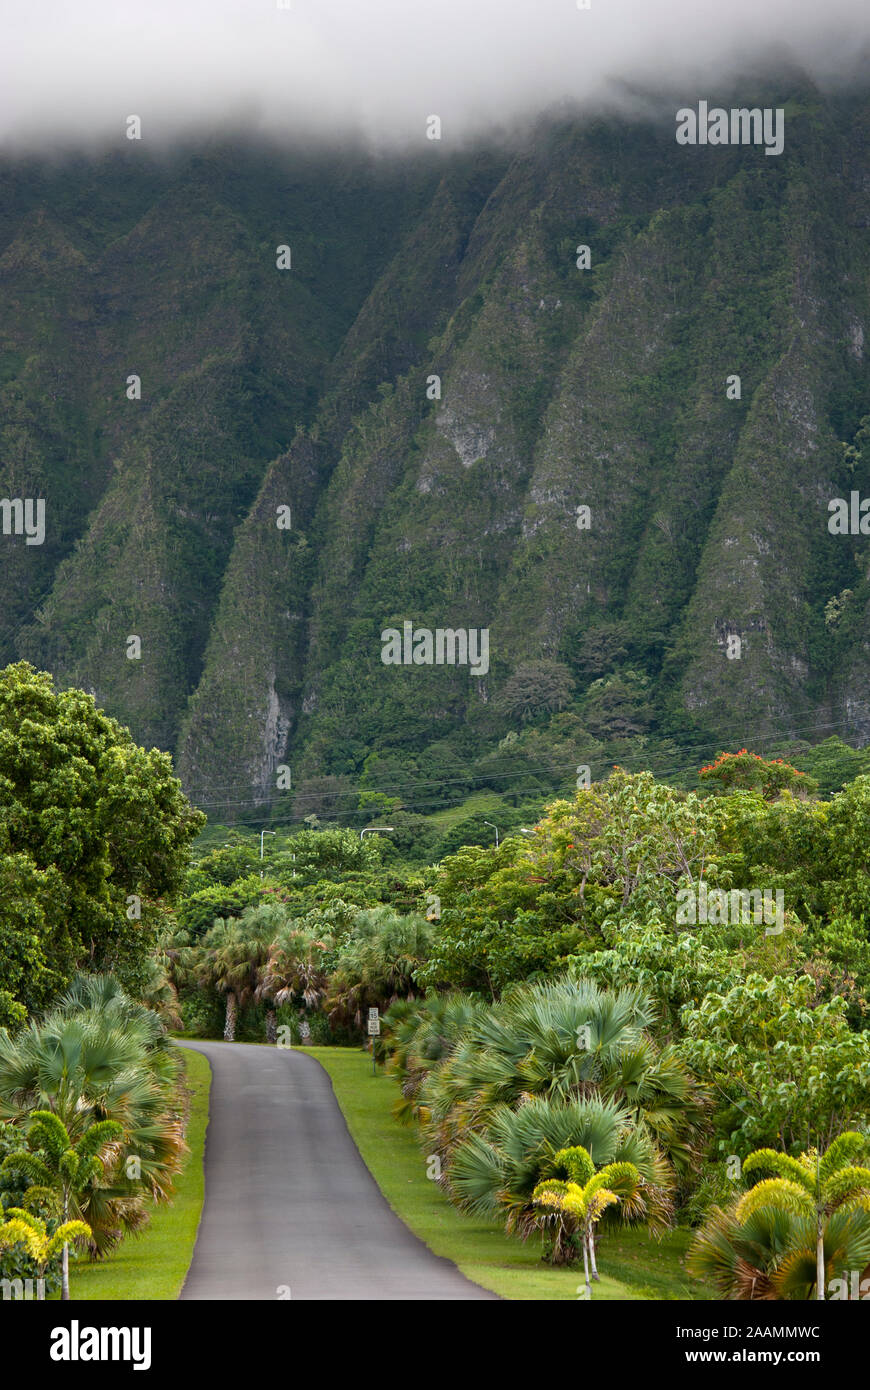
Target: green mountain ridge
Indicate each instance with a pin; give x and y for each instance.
(310, 389)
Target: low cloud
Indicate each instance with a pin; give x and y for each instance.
(70, 74)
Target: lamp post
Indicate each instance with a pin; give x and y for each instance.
(262, 833)
(372, 829)
(495, 828)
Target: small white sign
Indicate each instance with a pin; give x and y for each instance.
(374, 1027)
(304, 1031)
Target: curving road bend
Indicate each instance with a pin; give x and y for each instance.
(291, 1211)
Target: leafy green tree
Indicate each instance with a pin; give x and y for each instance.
(617, 851)
(750, 772)
(32, 928)
(779, 1068)
(198, 911)
(536, 687)
(848, 827)
(322, 854)
(678, 969)
(841, 952)
(500, 920)
(222, 866)
(832, 763)
(786, 842)
(98, 825)
(631, 837)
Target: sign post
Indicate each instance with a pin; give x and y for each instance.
(374, 1032)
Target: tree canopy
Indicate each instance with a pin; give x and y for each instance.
(94, 832)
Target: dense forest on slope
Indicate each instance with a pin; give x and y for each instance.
(311, 388)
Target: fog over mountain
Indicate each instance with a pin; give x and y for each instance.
(592, 391)
(71, 74)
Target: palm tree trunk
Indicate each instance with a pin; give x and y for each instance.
(591, 1239)
(230, 1024)
(271, 1026)
(64, 1286)
(820, 1259)
(586, 1263)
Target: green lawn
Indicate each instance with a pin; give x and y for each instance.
(478, 804)
(632, 1265)
(154, 1264)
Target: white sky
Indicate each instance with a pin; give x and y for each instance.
(72, 70)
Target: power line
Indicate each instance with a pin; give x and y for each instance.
(412, 785)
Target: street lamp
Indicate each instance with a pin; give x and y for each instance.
(372, 829)
(495, 828)
(262, 833)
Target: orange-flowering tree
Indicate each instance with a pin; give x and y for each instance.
(744, 771)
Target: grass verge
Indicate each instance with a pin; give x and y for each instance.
(154, 1264)
(632, 1265)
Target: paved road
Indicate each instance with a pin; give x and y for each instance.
(289, 1203)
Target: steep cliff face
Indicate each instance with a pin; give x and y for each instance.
(409, 425)
(155, 372)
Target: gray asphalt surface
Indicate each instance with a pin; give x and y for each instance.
(289, 1203)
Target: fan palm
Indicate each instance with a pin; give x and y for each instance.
(232, 955)
(159, 991)
(496, 1172)
(771, 1252)
(377, 964)
(790, 1234)
(813, 1184)
(418, 1033)
(567, 1038)
(296, 966)
(99, 1056)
